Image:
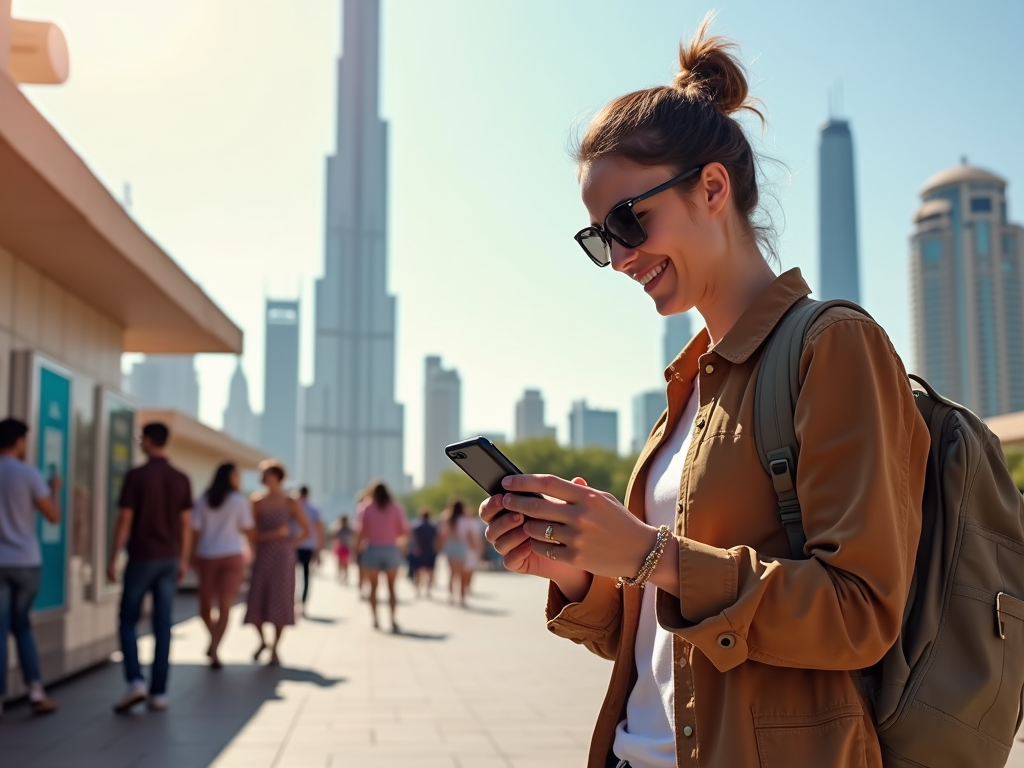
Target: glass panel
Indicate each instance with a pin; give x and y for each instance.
(932, 251)
(981, 239)
(83, 569)
(120, 429)
(981, 204)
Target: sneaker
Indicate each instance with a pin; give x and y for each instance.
(43, 707)
(157, 703)
(136, 695)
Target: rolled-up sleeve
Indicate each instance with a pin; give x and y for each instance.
(860, 479)
(594, 622)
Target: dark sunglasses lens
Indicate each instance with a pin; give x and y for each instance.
(623, 224)
(595, 246)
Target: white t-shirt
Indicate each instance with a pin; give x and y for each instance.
(220, 530)
(646, 738)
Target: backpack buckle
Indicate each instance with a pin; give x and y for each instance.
(782, 476)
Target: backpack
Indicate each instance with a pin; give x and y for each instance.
(949, 691)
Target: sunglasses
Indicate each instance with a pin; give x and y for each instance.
(622, 225)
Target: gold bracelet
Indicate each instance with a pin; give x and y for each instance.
(650, 563)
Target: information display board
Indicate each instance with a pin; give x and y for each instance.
(52, 426)
(117, 438)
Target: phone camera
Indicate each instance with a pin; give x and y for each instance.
(457, 455)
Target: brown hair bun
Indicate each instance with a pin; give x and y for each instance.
(710, 71)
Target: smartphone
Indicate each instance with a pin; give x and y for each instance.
(479, 458)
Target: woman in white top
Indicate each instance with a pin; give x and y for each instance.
(460, 542)
(220, 518)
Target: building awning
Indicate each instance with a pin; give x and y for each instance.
(57, 216)
(1009, 428)
(193, 436)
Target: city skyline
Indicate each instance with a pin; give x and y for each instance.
(262, 177)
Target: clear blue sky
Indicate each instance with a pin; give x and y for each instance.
(220, 113)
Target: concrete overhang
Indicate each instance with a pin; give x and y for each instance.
(58, 217)
(196, 437)
(1009, 428)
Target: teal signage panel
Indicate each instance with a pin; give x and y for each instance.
(53, 453)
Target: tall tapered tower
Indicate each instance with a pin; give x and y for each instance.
(837, 214)
(354, 427)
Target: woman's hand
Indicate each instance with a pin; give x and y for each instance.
(590, 529)
(505, 530)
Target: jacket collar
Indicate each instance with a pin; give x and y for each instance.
(751, 330)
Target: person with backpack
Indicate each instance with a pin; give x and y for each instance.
(728, 650)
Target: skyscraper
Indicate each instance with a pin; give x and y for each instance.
(166, 381)
(442, 417)
(593, 428)
(837, 214)
(279, 428)
(530, 417)
(354, 427)
(647, 407)
(678, 332)
(239, 420)
(967, 277)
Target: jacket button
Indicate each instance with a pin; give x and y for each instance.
(726, 640)
(682, 661)
(700, 423)
(709, 370)
(687, 731)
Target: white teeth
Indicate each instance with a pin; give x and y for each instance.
(645, 279)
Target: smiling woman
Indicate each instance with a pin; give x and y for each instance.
(740, 652)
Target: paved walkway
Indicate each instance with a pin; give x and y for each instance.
(479, 688)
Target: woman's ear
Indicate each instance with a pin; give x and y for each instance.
(715, 188)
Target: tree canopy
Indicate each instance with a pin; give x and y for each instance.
(602, 469)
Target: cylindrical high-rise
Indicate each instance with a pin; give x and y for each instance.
(837, 214)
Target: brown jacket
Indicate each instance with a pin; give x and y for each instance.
(762, 643)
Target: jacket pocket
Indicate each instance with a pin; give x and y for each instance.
(830, 739)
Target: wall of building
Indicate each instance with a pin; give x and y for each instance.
(37, 313)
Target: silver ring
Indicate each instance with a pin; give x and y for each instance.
(548, 533)
(550, 554)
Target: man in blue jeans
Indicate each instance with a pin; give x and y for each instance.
(23, 493)
(155, 522)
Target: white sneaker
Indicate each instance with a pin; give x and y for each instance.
(136, 695)
(157, 703)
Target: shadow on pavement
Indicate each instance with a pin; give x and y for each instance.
(208, 709)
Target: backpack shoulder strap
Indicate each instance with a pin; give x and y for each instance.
(778, 386)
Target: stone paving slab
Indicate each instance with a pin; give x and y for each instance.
(459, 688)
(486, 687)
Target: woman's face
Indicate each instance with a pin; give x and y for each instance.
(686, 247)
(236, 481)
(270, 479)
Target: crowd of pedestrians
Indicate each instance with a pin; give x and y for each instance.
(221, 535)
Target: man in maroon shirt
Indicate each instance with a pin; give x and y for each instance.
(155, 522)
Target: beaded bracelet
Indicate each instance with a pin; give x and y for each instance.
(640, 580)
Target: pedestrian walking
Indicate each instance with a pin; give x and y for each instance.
(272, 584)
(742, 654)
(308, 552)
(220, 518)
(23, 494)
(344, 539)
(423, 546)
(155, 522)
(461, 545)
(383, 528)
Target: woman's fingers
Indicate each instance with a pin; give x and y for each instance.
(539, 508)
(548, 485)
(538, 530)
(506, 543)
(502, 524)
(490, 508)
(516, 559)
(550, 550)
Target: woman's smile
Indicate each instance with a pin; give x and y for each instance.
(652, 277)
